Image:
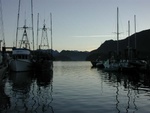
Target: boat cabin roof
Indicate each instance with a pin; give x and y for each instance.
(20, 51)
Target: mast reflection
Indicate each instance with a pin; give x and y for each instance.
(4, 98)
(131, 85)
(21, 82)
(128, 88)
(30, 92)
(44, 79)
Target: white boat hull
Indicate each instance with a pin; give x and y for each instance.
(20, 65)
(111, 66)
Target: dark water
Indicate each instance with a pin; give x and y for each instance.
(73, 87)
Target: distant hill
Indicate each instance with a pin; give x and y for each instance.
(142, 46)
(66, 55)
(109, 47)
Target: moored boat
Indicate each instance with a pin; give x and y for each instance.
(111, 65)
(98, 63)
(21, 56)
(21, 60)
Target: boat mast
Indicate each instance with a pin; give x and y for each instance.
(117, 31)
(2, 25)
(37, 30)
(44, 38)
(128, 33)
(51, 33)
(25, 41)
(128, 39)
(32, 22)
(18, 22)
(135, 29)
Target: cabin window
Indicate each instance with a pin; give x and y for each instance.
(21, 56)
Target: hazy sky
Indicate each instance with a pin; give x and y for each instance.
(77, 24)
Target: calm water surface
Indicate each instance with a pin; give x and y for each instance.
(74, 87)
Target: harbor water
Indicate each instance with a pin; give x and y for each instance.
(75, 87)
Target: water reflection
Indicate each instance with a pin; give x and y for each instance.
(21, 82)
(4, 98)
(128, 88)
(44, 90)
(117, 100)
(44, 77)
(28, 92)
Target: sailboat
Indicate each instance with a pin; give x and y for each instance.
(21, 56)
(112, 64)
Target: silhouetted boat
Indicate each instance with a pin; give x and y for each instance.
(112, 64)
(97, 63)
(43, 58)
(21, 56)
(21, 60)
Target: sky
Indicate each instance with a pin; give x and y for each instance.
(77, 24)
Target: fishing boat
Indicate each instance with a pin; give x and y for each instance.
(21, 60)
(43, 58)
(22, 55)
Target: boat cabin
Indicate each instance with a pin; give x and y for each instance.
(21, 54)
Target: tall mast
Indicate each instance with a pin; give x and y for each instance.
(44, 38)
(37, 30)
(32, 22)
(25, 41)
(2, 25)
(128, 32)
(117, 31)
(135, 29)
(128, 39)
(17, 22)
(51, 32)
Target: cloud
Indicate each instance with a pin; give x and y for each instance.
(99, 36)
(93, 36)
